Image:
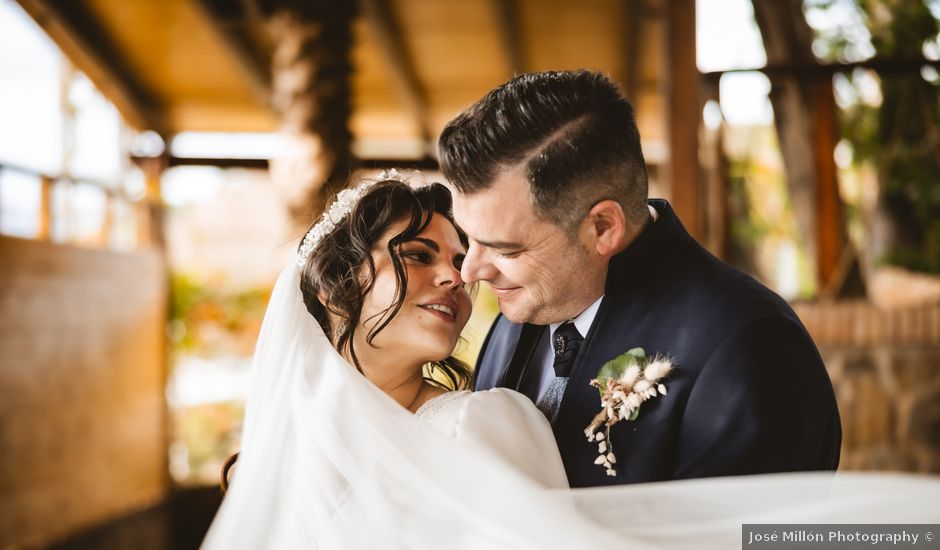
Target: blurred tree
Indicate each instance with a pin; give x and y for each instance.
(901, 136)
(804, 116)
(905, 145)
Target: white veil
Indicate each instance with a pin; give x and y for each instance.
(328, 461)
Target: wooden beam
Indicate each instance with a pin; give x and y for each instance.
(391, 43)
(683, 115)
(880, 65)
(69, 25)
(509, 26)
(232, 22)
(425, 163)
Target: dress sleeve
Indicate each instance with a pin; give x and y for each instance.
(506, 423)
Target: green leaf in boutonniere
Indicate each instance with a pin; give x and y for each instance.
(625, 382)
(616, 367)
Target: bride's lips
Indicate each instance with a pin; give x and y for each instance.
(445, 309)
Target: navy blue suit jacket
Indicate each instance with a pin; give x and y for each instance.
(749, 394)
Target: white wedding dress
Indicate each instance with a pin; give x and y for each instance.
(328, 461)
(503, 423)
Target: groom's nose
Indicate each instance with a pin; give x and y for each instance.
(477, 265)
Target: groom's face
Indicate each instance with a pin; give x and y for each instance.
(539, 272)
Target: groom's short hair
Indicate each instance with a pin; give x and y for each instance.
(574, 133)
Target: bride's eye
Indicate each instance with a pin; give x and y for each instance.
(420, 256)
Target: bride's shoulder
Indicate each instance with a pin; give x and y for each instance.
(472, 399)
(462, 408)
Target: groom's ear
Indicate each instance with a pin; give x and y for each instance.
(609, 226)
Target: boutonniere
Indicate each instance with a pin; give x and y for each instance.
(625, 382)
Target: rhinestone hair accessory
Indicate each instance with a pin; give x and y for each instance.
(345, 201)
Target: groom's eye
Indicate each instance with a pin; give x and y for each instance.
(508, 255)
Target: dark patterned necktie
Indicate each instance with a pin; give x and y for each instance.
(566, 341)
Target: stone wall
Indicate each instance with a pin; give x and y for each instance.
(82, 375)
(885, 368)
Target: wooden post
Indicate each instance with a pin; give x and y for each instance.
(150, 210)
(683, 116)
(715, 177)
(45, 208)
(829, 227)
(312, 64)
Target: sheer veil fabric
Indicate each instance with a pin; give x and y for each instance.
(328, 461)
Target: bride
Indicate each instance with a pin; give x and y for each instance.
(360, 434)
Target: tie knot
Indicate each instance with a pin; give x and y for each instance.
(566, 340)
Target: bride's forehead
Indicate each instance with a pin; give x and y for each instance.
(440, 229)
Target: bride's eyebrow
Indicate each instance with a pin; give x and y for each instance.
(427, 242)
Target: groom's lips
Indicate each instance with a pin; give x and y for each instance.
(503, 292)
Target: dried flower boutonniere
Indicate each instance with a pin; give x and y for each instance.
(624, 382)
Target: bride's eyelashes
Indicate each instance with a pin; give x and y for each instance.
(418, 256)
(426, 256)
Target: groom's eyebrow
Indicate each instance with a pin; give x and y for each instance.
(500, 245)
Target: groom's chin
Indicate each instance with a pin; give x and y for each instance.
(515, 312)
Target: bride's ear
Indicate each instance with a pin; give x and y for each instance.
(609, 225)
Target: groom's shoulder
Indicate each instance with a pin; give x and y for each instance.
(502, 332)
(717, 286)
(496, 351)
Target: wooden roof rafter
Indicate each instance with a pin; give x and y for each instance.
(233, 21)
(86, 45)
(390, 37)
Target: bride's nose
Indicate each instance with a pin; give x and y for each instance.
(447, 276)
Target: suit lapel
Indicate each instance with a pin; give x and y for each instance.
(520, 368)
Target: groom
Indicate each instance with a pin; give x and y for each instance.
(551, 187)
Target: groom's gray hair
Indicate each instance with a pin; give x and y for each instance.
(574, 134)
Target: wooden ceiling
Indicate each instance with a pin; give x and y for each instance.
(201, 65)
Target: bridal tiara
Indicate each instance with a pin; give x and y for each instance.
(345, 201)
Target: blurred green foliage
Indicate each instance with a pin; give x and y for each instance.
(207, 319)
(901, 136)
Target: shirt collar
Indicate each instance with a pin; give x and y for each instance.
(583, 321)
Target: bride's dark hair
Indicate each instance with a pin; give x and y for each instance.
(341, 270)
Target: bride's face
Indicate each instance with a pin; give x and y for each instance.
(436, 305)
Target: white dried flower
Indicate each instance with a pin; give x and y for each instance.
(602, 447)
(611, 472)
(599, 460)
(662, 389)
(641, 386)
(611, 458)
(600, 436)
(658, 368)
(630, 375)
(633, 401)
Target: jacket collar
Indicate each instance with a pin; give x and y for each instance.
(651, 253)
